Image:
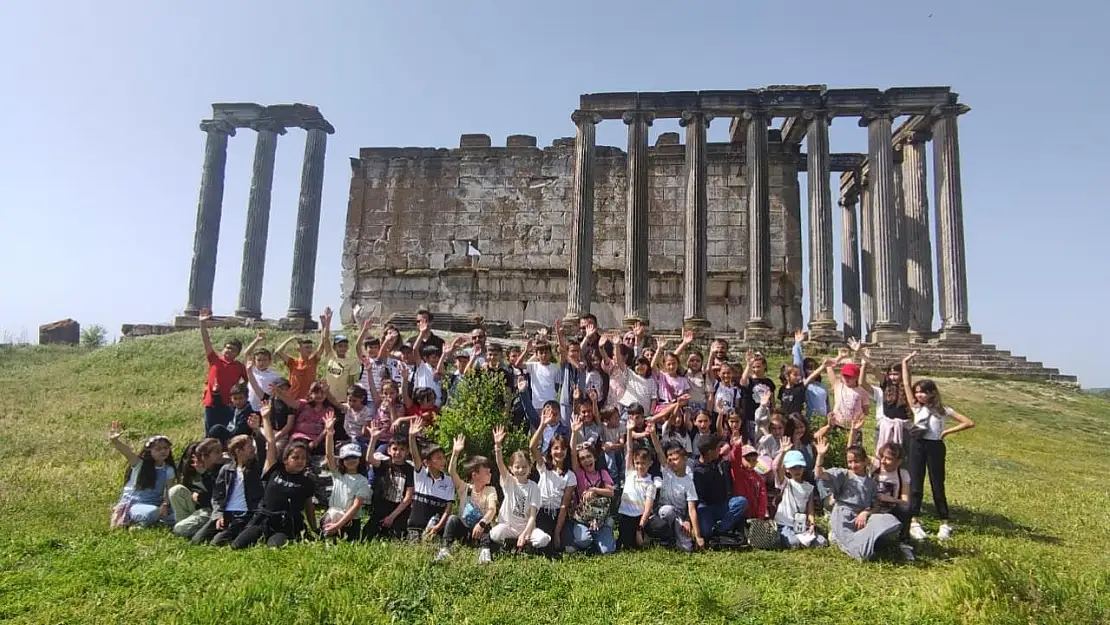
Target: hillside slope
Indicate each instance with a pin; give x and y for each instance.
(1028, 490)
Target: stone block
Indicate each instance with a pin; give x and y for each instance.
(63, 332)
(474, 141)
(520, 141)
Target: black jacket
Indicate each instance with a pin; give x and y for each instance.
(252, 481)
(204, 485)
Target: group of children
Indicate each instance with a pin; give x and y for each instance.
(630, 443)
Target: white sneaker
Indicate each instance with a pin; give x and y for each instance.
(484, 556)
(907, 551)
(945, 532)
(442, 555)
(917, 532)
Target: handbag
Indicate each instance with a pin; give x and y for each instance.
(594, 512)
(763, 534)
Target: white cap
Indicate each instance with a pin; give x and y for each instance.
(350, 450)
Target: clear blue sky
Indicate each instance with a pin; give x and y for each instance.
(101, 155)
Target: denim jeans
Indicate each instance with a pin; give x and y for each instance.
(217, 414)
(581, 538)
(725, 515)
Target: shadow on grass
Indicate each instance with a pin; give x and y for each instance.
(993, 524)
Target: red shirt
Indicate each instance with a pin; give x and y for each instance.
(222, 375)
(748, 484)
(429, 415)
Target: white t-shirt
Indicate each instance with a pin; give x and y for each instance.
(725, 398)
(542, 378)
(265, 378)
(891, 483)
(931, 420)
(552, 486)
(425, 377)
(353, 422)
(639, 390)
(373, 372)
(345, 487)
(636, 493)
(795, 499)
(520, 499)
(674, 490)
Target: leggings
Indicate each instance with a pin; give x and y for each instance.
(927, 455)
(234, 524)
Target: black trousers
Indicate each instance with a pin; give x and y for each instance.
(373, 528)
(234, 524)
(351, 532)
(927, 456)
(627, 526)
(277, 529)
(457, 531)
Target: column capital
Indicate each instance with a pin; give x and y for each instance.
(812, 114)
(318, 124)
(579, 117)
(896, 150)
(750, 114)
(630, 117)
(849, 200)
(917, 136)
(688, 115)
(950, 110)
(267, 124)
(877, 112)
(218, 125)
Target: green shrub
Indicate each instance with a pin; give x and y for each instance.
(477, 404)
(94, 336)
(838, 441)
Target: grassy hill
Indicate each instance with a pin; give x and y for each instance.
(1027, 486)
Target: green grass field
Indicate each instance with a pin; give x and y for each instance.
(1028, 488)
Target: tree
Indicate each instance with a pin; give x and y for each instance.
(476, 405)
(94, 336)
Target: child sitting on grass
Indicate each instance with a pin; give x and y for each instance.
(517, 517)
(236, 493)
(144, 501)
(393, 487)
(191, 500)
(856, 523)
(795, 514)
(349, 488)
(477, 504)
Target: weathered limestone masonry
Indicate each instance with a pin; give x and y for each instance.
(269, 122)
(701, 235)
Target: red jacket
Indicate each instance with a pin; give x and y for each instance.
(749, 484)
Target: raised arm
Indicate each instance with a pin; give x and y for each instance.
(560, 340)
(114, 432)
(749, 358)
(329, 441)
(406, 385)
(364, 331)
(529, 347)
(325, 335)
(628, 445)
(785, 445)
(797, 357)
(822, 446)
(687, 340)
(498, 456)
(657, 445)
(907, 383)
(452, 464)
(575, 432)
(414, 448)
(279, 353)
(657, 356)
(537, 436)
(202, 320)
(268, 432)
(249, 351)
(816, 373)
(372, 458)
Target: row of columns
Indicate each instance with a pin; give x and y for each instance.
(203, 268)
(885, 266)
(887, 282)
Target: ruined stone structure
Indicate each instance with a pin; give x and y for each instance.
(268, 122)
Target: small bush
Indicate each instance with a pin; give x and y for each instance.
(476, 405)
(94, 336)
(838, 442)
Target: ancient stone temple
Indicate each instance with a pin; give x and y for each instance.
(268, 122)
(684, 232)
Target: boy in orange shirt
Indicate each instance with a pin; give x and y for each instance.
(303, 368)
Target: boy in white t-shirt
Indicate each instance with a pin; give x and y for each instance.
(638, 494)
(264, 377)
(517, 517)
(677, 518)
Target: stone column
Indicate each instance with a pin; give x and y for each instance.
(951, 259)
(758, 327)
(581, 275)
(900, 290)
(308, 223)
(919, 254)
(696, 279)
(866, 258)
(258, 219)
(849, 266)
(202, 273)
(636, 242)
(822, 321)
(880, 158)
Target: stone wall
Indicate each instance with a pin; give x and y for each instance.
(413, 212)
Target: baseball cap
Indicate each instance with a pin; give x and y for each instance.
(350, 450)
(748, 450)
(850, 370)
(793, 458)
(339, 338)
